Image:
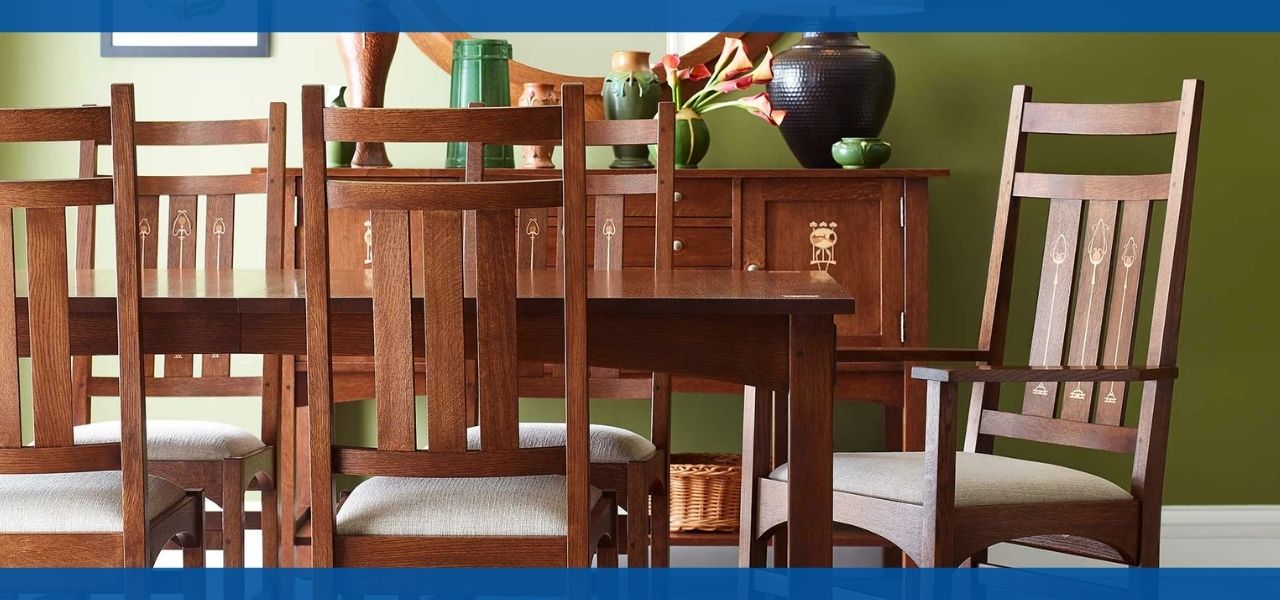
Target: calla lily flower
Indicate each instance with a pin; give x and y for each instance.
(695, 73)
(671, 61)
(760, 106)
(731, 47)
(764, 71)
(740, 64)
(734, 85)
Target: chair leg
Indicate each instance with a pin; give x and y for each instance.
(756, 407)
(637, 515)
(270, 526)
(232, 513)
(607, 551)
(780, 547)
(660, 528)
(193, 554)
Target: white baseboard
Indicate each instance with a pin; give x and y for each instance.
(1246, 535)
(1192, 536)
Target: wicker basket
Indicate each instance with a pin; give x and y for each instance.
(705, 489)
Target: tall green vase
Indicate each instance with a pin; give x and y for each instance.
(631, 91)
(480, 74)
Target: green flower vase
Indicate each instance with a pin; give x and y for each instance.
(631, 91)
(339, 153)
(693, 138)
(481, 73)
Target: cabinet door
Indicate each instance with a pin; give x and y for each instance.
(850, 228)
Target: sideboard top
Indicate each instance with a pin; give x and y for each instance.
(680, 173)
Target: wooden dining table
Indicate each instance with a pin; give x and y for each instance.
(772, 330)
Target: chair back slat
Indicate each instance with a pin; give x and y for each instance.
(499, 395)
(1145, 118)
(1090, 289)
(1053, 302)
(56, 124)
(1091, 187)
(55, 193)
(201, 133)
(392, 342)
(1122, 315)
(49, 322)
(491, 125)
(219, 255)
(202, 185)
(10, 399)
(489, 195)
(183, 228)
(533, 238)
(1097, 245)
(625, 131)
(446, 369)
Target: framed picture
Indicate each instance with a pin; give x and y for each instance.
(204, 16)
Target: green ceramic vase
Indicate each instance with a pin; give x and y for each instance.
(861, 153)
(339, 153)
(480, 74)
(693, 138)
(631, 91)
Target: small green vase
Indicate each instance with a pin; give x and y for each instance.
(631, 91)
(481, 73)
(339, 153)
(693, 138)
(861, 153)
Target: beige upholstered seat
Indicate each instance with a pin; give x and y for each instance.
(608, 444)
(484, 506)
(981, 479)
(74, 502)
(178, 440)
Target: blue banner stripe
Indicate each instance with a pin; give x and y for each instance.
(700, 584)
(656, 15)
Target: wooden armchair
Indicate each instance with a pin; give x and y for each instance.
(449, 504)
(941, 506)
(63, 504)
(222, 459)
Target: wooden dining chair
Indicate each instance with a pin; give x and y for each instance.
(63, 504)
(631, 467)
(222, 459)
(499, 504)
(941, 506)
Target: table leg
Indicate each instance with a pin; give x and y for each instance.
(812, 381)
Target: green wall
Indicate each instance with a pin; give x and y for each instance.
(950, 111)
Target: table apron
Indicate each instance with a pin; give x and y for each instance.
(746, 349)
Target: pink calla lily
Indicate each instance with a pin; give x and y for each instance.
(731, 47)
(760, 106)
(740, 64)
(764, 71)
(695, 73)
(734, 85)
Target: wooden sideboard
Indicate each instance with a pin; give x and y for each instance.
(867, 228)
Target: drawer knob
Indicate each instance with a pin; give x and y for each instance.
(679, 197)
(753, 267)
(677, 245)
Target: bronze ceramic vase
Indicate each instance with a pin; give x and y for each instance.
(631, 91)
(367, 58)
(832, 86)
(538, 94)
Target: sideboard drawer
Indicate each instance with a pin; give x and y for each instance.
(694, 198)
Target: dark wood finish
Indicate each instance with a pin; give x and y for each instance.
(182, 229)
(47, 326)
(939, 533)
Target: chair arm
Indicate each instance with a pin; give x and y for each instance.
(865, 355)
(983, 374)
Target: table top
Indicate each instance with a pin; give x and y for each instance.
(441, 172)
(629, 291)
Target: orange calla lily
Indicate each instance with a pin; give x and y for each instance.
(731, 46)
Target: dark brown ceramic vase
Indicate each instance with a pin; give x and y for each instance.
(832, 86)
